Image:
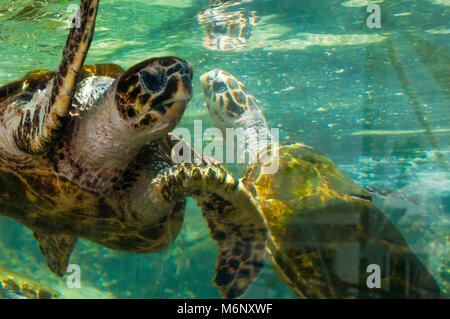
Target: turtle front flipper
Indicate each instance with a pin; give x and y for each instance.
(37, 127)
(234, 220)
(56, 250)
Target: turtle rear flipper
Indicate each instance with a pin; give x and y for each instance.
(56, 250)
(37, 127)
(234, 220)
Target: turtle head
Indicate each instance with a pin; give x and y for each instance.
(151, 96)
(231, 106)
(226, 97)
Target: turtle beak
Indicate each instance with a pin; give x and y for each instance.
(177, 109)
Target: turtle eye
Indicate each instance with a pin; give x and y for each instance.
(153, 83)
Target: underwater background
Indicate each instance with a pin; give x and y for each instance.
(376, 101)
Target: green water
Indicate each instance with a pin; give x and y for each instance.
(376, 101)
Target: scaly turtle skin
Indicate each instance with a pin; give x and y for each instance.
(228, 27)
(17, 286)
(325, 230)
(86, 152)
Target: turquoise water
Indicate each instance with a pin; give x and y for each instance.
(376, 101)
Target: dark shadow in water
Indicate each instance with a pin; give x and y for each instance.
(374, 112)
(396, 62)
(435, 59)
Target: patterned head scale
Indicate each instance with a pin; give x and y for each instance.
(154, 92)
(226, 97)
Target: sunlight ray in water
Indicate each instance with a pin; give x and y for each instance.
(361, 3)
(301, 41)
(441, 2)
(387, 132)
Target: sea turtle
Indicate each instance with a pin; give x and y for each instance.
(14, 285)
(91, 157)
(228, 26)
(326, 235)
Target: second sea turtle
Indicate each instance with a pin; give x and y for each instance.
(326, 235)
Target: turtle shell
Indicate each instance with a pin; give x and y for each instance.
(38, 79)
(326, 231)
(17, 286)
